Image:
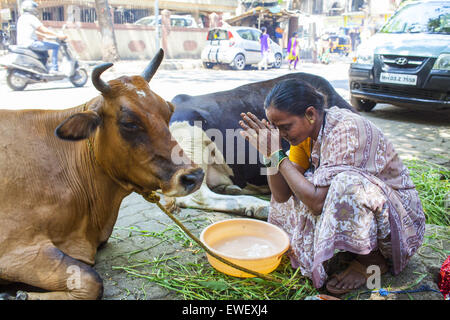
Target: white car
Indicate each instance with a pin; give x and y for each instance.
(237, 47)
(185, 21)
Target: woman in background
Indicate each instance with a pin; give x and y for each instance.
(293, 50)
(265, 49)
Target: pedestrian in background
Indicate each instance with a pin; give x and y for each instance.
(293, 50)
(354, 36)
(264, 41)
(279, 34)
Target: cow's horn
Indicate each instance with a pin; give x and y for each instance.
(98, 83)
(153, 65)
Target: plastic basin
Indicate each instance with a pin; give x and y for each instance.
(253, 244)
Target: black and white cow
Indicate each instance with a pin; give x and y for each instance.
(207, 128)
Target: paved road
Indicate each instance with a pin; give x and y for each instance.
(420, 134)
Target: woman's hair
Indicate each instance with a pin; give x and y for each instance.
(263, 29)
(294, 96)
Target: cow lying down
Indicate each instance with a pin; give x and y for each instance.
(207, 128)
(64, 174)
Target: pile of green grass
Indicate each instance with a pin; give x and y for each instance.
(433, 185)
(198, 280)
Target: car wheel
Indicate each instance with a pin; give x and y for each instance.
(362, 104)
(16, 81)
(239, 62)
(208, 65)
(278, 61)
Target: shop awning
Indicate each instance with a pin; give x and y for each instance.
(264, 13)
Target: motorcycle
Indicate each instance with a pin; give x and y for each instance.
(25, 66)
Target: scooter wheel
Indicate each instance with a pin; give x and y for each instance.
(80, 77)
(16, 81)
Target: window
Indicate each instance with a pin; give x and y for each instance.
(246, 34)
(423, 17)
(178, 22)
(217, 34)
(145, 21)
(122, 15)
(53, 14)
(174, 21)
(256, 35)
(88, 15)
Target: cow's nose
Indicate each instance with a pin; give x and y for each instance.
(191, 180)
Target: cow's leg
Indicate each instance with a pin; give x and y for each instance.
(249, 190)
(228, 189)
(242, 205)
(200, 149)
(49, 268)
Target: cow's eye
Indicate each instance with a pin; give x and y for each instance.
(129, 125)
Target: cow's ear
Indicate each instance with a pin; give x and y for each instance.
(78, 126)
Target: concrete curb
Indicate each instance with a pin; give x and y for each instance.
(179, 65)
(167, 64)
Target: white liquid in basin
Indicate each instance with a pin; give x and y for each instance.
(246, 246)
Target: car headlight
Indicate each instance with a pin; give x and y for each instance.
(442, 62)
(364, 57)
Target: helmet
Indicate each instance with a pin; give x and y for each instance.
(29, 6)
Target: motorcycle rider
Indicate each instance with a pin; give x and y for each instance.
(31, 32)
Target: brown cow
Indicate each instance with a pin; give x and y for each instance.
(64, 174)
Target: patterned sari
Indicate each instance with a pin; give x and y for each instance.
(371, 202)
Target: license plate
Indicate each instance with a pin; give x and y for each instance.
(398, 78)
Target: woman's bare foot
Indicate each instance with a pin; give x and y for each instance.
(356, 274)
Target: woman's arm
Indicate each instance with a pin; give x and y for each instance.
(313, 197)
(265, 138)
(281, 191)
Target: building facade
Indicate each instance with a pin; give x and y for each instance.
(134, 41)
(124, 11)
(309, 17)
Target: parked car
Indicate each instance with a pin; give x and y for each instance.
(407, 63)
(238, 47)
(185, 21)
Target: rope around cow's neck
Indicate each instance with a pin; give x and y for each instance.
(154, 198)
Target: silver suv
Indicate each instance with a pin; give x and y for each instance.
(237, 47)
(407, 63)
(185, 21)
